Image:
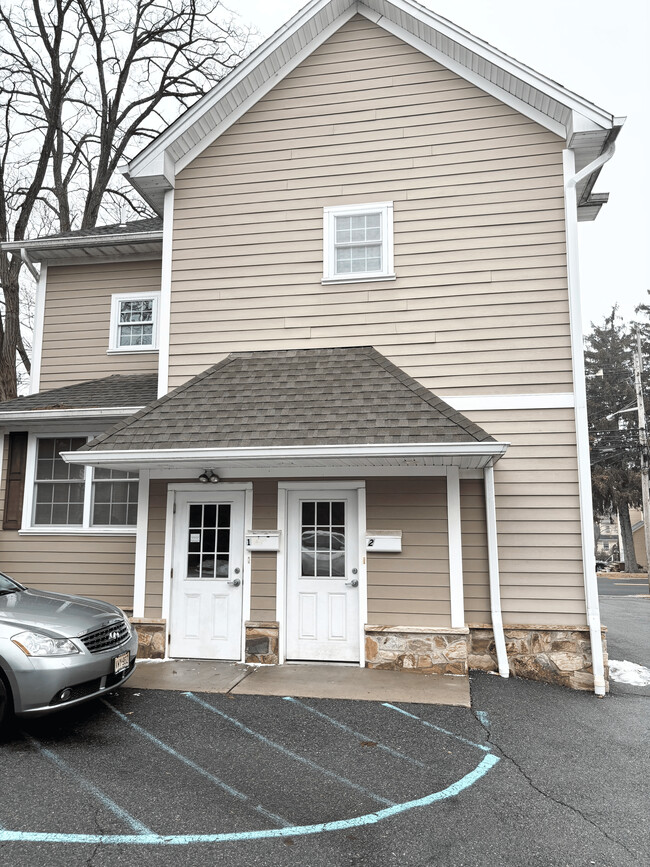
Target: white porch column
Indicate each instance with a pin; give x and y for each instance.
(493, 561)
(455, 543)
(140, 577)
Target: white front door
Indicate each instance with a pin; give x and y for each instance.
(207, 583)
(322, 576)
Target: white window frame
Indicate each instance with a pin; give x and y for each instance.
(385, 210)
(114, 334)
(29, 528)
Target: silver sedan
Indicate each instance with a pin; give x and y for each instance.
(58, 650)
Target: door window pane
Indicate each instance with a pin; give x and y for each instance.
(208, 544)
(322, 541)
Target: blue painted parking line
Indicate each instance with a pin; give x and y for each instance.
(391, 752)
(289, 753)
(483, 718)
(278, 820)
(293, 831)
(89, 787)
(436, 728)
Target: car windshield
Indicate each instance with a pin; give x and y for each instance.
(8, 586)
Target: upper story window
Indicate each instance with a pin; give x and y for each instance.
(358, 242)
(134, 322)
(73, 497)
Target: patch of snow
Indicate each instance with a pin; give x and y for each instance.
(629, 672)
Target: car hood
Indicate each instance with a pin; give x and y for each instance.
(69, 616)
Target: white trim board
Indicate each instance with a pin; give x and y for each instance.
(37, 339)
(468, 402)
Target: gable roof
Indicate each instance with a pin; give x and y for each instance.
(118, 394)
(587, 128)
(299, 397)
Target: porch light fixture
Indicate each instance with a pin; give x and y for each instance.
(208, 476)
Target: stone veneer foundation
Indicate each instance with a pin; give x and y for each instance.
(151, 638)
(553, 654)
(425, 649)
(262, 642)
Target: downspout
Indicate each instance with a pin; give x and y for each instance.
(571, 179)
(493, 562)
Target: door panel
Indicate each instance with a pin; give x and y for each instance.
(322, 566)
(207, 585)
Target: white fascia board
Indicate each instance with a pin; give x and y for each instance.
(474, 78)
(255, 453)
(140, 164)
(83, 241)
(504, 61)
(67, 414)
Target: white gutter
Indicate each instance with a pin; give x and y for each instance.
(66, 414)
(209, 456)
(571, 179)
(80, 241)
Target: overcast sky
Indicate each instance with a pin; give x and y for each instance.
(598, 49)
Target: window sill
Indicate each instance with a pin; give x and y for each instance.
(127, 350)
(77, 531)
(362, 278)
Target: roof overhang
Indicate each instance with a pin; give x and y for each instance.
(415, 455)
(75, 413)
(584, 126)
(102, 247)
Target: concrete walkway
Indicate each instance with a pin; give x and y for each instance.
(301, 681)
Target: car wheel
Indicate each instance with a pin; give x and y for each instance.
(6, 706)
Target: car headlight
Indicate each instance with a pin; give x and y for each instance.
(37, 644)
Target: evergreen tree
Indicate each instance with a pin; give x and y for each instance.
(614, 442)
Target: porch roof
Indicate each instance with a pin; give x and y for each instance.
(294, 405)
(111, 395)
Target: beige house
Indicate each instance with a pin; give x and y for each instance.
(329, 404)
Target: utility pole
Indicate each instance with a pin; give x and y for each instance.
(643, 443)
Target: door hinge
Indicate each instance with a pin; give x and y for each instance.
(171, 573)
(169, 638)
(174, 509)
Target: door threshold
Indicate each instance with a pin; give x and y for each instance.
(322, 662)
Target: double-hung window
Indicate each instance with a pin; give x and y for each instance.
(358, 242)
(67, 496)
(134, 322)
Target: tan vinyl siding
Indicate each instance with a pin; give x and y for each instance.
(264, 563)
(77, 321)
(480, 300)
(410, 588)
(94, 564)
(155, 548)
(538, 515)
(476, 578)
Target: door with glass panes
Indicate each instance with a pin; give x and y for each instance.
(207, 582)
(322, 576)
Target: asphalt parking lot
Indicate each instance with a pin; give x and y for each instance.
(533, 775)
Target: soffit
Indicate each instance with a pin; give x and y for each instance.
(153, 170)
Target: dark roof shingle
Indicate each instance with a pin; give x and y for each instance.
(294, 397)
(111, 391)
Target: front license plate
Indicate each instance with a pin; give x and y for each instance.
(120, 662)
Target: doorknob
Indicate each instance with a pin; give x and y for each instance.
(235, 582)
(353, 583)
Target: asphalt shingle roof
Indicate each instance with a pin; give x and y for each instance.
(294, 397)
(134, 227)
(111, 391)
